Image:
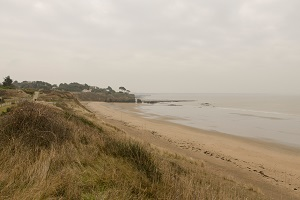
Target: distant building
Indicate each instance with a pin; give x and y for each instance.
(85, 90)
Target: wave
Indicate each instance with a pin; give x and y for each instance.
(257, 111)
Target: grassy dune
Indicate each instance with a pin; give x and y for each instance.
(49, 152)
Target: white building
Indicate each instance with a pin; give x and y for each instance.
(85, 90)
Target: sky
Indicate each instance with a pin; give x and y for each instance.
(186, 46)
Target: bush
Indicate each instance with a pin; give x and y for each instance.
(35, 125)
(29, 91)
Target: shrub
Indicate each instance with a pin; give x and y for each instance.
(35, 125)
(29, 91)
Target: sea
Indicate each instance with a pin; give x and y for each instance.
(271, 118)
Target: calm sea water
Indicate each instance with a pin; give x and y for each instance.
(274, 118)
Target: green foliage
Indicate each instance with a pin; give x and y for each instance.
(73, 87)
(110, 90)
(106, 97)
(96, 94)
(97, 89)
(29, 91)
(5, 110)
(7, 81)
(34, 85)
(123, 89)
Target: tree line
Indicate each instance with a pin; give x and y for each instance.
(8, 83)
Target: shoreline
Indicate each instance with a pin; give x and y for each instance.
(260, 125)
(272, 168)
(122, 107)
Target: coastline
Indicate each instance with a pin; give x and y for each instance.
(273, 169)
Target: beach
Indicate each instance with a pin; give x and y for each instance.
(269, 167)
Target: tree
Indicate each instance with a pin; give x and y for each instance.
(7, 81)
(122, 89)
(73, 87)
(109, 89)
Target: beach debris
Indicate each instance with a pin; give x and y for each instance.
(206, 104)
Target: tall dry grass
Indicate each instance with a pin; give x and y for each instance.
(35, 125)
(47, 153)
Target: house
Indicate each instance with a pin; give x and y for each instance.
(85, 90)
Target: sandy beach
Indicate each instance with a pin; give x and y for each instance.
(270, 168)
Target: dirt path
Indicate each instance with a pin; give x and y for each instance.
(35, 95)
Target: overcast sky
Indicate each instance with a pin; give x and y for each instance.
(227, 46)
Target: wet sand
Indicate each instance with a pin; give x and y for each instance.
(270, 168)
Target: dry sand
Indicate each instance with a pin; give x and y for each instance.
(271, 168)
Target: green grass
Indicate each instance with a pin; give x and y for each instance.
(5, 109)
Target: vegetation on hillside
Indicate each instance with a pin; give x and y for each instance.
(71, 87)
(63, 152)
(106, 97)
(7, 83)
(34, 85)
(81, 90)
